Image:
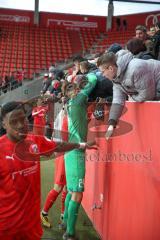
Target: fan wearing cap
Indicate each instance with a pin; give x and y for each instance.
(46, 83)
(115, 47)
(20, 176)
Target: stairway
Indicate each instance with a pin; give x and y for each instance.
(75, 41)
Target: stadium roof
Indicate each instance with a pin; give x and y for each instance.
(140, 1)
(87, 7)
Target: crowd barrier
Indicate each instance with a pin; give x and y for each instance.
(122, 185)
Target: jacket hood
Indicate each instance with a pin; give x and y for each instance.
(123, 59)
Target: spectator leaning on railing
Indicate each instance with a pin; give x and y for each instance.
(137, 79)
(138, 49)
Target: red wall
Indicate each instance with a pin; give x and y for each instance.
(124, 180)
(75, 21)
(136, 19)
(94, 21)
(133, 20)
(12, 13)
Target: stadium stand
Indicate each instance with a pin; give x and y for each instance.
(111, 37)
(34, 48)
(89, 36)
(31, 48)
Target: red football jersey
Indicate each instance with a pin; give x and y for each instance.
(39, 114)
(20, 187)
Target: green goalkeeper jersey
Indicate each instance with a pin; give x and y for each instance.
(77, 112)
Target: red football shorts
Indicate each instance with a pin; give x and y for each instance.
(60, 174)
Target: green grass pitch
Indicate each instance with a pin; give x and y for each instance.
(84, 229)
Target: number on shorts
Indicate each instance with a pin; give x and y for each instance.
(81, 183)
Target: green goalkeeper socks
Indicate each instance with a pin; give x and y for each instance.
(72, 216)
(68, 198)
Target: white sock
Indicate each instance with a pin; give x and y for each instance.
(44, 213)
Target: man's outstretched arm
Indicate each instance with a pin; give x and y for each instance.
(65, 146)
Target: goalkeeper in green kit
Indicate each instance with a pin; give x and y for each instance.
(75, 159)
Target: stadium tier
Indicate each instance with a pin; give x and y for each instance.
(111, 37)
(33, 49)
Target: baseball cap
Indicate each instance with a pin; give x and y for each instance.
(115, 47)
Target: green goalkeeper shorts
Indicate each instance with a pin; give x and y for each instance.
(75, 170)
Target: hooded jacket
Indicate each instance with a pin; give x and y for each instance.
(137, 79)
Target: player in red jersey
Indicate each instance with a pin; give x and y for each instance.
(39, 115)
(19, 178)
(59, 181)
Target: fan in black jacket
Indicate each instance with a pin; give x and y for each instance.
(156, 41)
